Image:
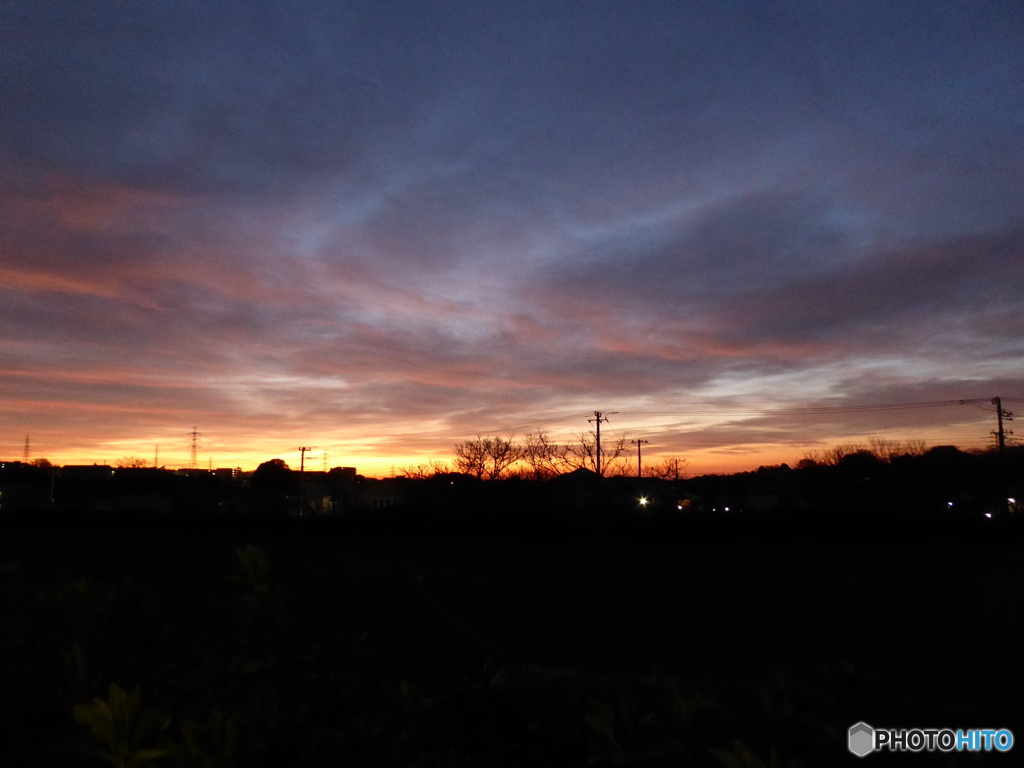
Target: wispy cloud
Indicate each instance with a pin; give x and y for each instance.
(389, 227)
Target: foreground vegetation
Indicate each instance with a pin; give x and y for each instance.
(303, 645)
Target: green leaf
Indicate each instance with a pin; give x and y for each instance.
(84, 713)
(97, 715)
(81, 713)
(120, 702)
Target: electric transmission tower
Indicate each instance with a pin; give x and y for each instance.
(27, 450)
(194, 439)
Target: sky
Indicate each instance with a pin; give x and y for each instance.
(380, 228)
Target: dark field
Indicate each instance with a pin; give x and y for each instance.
(780, 645)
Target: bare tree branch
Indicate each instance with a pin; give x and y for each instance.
(543, 458)
(486, 457)
(131, 462)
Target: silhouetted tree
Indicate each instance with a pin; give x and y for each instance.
(670, 468)
(426, 471)
(131, 462)
(470, 457)
(836, 453)
(860, 463)
(887, 450)
(274, 475)
(543, 457)
(582, 454)
(486, 457)
(884, 449)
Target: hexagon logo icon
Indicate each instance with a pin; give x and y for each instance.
(861, 739)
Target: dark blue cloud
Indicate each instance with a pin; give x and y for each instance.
(510, 204)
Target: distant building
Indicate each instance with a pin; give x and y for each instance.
(86, 472)
(343, 474)
(386, 494)
(192, 472)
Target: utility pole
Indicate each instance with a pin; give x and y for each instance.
(1000, 415)
(1001, 442)
(302, 449)
(598, 418)
(639, 464)
(156, 456)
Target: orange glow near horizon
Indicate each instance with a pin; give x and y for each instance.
(213, 452)
(407, 252)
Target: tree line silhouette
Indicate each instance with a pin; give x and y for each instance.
(538, 457)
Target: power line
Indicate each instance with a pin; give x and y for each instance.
(491, 430)
(537, 423)
(810, 410)
(546, 421)
(822, 409)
